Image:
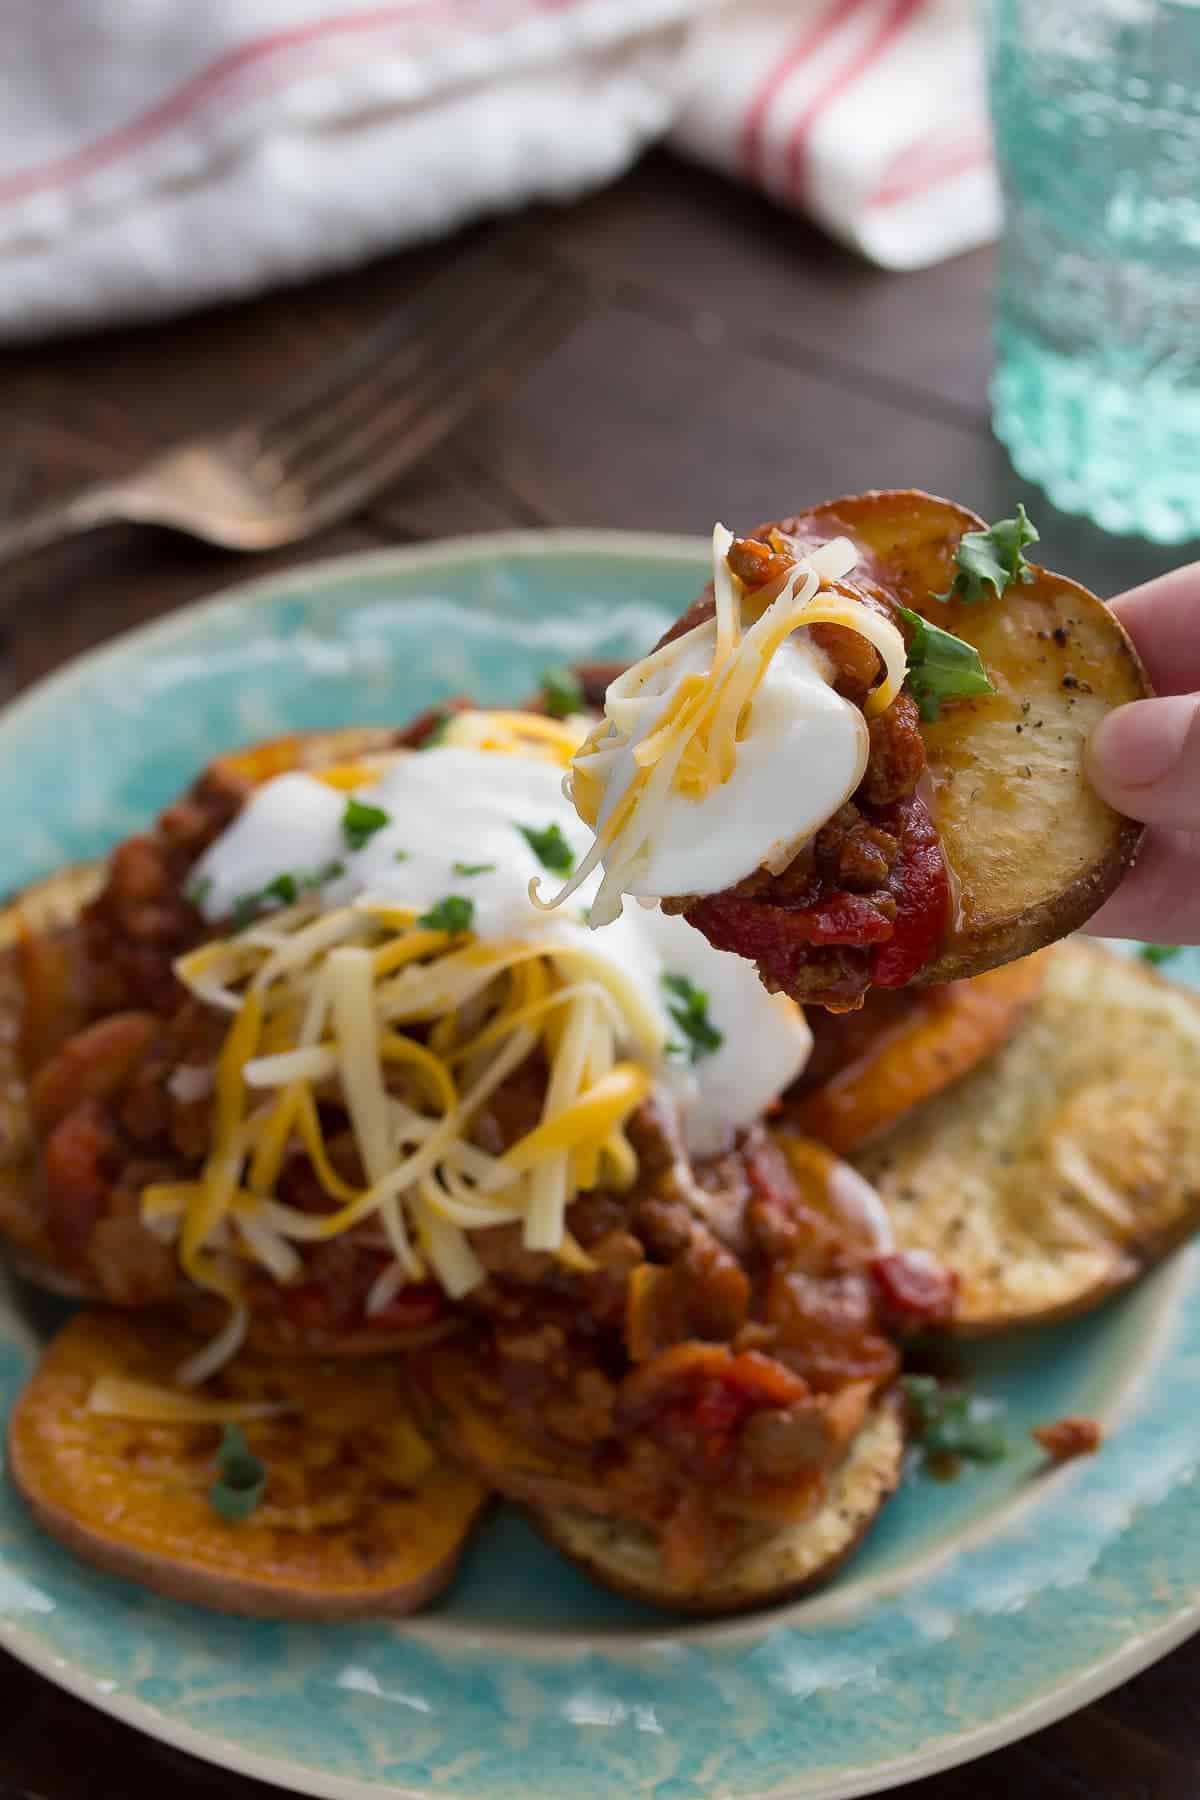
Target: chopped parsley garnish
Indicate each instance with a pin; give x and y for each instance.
(360, 822)
(992, 559)
(949, 1422)
(562, 692)
(940, 666)
(285, 889)
(688, 1007)
(452, 914)
(241, 1479)
(437, 731)
(197, 892)
(461, 868)
(1158, 953)
(550, 847)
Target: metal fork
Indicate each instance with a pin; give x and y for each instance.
(345, 432)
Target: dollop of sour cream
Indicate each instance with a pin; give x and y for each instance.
(479, 825)
(802, 754)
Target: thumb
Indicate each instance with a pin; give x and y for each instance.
(1144, 759)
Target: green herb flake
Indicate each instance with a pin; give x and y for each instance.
(992, 559)
(940, 666)
(360, 822)
(688, 1007)
(461, 868)
(284, 889)
(949, 1422)
(562, 692)
(1159, 953)
(401, 855)
(452, 914)
(550, 847)
(197, 892)
(241, 1479)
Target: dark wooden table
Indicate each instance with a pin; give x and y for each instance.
(728, 363)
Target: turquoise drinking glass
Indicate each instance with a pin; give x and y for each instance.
(1096, 391)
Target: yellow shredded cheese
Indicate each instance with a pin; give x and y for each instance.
(412, 1031)
(650, 745)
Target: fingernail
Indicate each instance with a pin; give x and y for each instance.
(1139, 744)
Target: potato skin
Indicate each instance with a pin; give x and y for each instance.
(772, 1567)
(1033, 850)
(131, 1500)
(570, 1510)
(1061, 1170)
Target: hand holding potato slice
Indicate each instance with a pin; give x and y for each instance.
(357, 1518)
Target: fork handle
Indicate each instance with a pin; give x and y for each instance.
(101, 504)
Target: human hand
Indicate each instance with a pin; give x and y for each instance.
(1144, 759)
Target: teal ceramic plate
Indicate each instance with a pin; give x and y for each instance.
(976, 1612)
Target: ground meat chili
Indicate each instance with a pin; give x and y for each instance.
(867, 902)
(105, 1028)
(709, 1368)
(716, 1363)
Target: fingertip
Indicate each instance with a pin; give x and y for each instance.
(1139, 756)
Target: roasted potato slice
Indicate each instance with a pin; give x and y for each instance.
(1068, 1164)
(1033, 849)
(772, 1562)
(358, 1518)
(943, 1034)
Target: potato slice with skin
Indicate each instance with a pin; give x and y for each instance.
(1068, 1164)
(770, 1563)
(769, 1566)
(946, 1033)
(1032, 849)
(359, 1517)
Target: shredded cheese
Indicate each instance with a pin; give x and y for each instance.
(339, 998)
(517, 733)
(120, 1397)
(673, 729)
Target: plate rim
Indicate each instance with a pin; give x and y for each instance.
(327, 571)
(1075, 1691)
(850, 1784)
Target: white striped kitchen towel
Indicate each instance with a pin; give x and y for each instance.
(156, 156)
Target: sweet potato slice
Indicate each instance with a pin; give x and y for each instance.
(1032, 848)
(1063, 1168)
(771, 1562)
(944, 1034)
(769, 1565)
(359, 1517)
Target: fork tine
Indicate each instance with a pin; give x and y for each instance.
(482, 265)
(463, 359)
(399, 437)
(397, 357)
